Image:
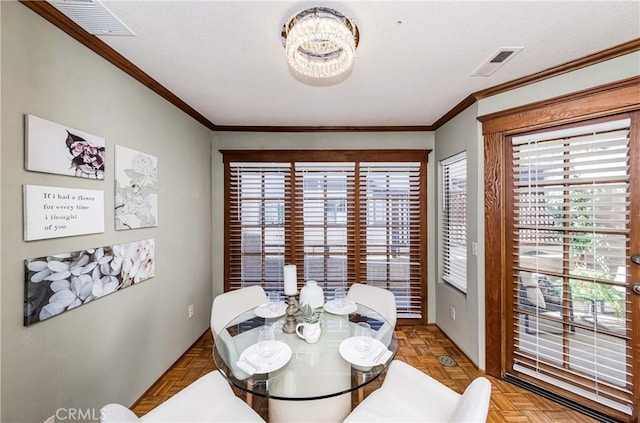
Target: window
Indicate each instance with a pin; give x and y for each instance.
(454, 221)
(342, 221)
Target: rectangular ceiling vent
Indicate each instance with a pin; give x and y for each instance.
(92, 16)
(496, 61)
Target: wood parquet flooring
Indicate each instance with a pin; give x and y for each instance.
(418, 346)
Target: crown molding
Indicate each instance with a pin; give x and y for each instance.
(93, 43)
(58, 19)
(417, 128)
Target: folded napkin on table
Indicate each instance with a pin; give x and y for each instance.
(378, 355)
(253, 363)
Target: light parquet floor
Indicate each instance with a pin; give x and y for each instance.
(418, 346)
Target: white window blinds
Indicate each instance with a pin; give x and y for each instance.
(259, 226)
(324, 213)
(571, 229)
(390, 231)
(454, 221)
(341, 222)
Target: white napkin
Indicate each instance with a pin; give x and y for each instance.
(378, 355)
(254, 363)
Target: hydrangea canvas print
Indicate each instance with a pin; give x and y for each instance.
(54, 148)
(60, 282)
(136, 189)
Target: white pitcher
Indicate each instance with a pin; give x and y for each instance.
(310, 332)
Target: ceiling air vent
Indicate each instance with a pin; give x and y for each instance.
(92, 16)
(496, 61)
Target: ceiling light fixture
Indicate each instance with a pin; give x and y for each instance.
(320, 42)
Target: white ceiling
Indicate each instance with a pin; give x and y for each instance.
(225, 58)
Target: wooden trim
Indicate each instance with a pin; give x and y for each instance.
(93, 43)
(227, 226)
(424, 234)
(494, 252)
(618, 97)
(599, 102)
(408, 155)
(457, 109)
(239, 128)
(634, 248)
(592, 59)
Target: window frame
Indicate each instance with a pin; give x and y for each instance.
(281, 156)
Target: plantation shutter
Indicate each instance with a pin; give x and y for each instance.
(454, 221)
(324, 224)
(259, 225)
(390, 239)
(570, 224)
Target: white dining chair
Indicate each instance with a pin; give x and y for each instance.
(225, 308)
(208, 399)
(382, 301)
(409, 395)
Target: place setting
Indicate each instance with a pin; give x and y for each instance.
(266, 355)
(273, 308)
(340, 305)
(362, 350)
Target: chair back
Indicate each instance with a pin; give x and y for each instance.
(381, 300)
(225, 308)
(230, 304)
(473, 405)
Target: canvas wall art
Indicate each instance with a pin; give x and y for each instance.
(136, 189)
(55, 212)
(61, 282)
(59, 149)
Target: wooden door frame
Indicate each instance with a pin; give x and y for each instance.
(606, 100)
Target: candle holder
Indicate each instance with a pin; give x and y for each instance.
(290, 325)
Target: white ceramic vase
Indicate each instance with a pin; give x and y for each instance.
(310, 332)
(312, 294)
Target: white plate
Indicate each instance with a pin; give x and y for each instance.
(251, 362)
(364, 359)
(267, 312)
(333, 307)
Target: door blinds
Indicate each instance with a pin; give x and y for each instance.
(570, 222)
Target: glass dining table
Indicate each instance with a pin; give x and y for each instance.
(303, 381)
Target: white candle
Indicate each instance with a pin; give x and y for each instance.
(290, 280)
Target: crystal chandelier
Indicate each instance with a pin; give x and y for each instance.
(320, 42)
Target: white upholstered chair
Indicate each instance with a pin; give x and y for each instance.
(208, 399)
(225, 308)
(382, 301)
(409, 395)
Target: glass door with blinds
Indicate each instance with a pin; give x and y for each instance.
(572, 311)
(340, 221)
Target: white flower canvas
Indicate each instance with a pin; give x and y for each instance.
(61, 282)
(59, 149)
(136, 189)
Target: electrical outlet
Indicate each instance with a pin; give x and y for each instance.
(452, 313)
(190, 311)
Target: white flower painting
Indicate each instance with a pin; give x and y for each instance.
(58, 283)
(54, 148)
(136, 189)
